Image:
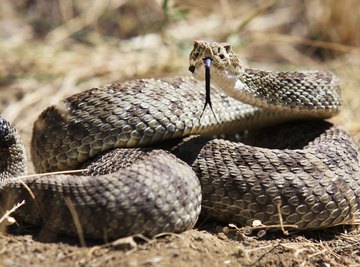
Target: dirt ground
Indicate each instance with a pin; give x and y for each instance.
(52, 49)
(333, 247)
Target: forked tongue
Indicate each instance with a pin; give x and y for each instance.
(207, 64)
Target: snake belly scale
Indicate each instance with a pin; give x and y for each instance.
(138, 181)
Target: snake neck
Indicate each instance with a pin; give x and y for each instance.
(310, 93)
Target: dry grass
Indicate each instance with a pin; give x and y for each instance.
(6, 216)
(52, 49)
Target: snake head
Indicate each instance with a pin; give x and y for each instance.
(224, 62)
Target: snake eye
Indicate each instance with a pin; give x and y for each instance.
(227, 48)
(192, 68)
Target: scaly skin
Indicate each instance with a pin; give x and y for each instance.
(312, 177)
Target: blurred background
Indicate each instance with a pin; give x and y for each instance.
(51, 49)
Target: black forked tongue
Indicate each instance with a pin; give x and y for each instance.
(207, 64)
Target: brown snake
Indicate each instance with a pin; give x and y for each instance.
(305, 174)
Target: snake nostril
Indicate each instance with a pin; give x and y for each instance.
(192, 68)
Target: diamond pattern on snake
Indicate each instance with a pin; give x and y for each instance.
(153, 164)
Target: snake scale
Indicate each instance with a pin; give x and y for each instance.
(152, 163)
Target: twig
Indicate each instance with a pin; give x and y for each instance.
(257, 12)
(8, 212)
(261, 226)
(76, 219)
(32, 196)
(86, 18)
(278, 206)
(270, 37)
(51, 173)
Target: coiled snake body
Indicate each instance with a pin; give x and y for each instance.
(308, 176)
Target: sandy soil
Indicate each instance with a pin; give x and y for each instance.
(210, 247)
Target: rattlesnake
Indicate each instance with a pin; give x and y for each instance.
(126, 136)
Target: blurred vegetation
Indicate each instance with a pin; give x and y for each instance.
(54, 48)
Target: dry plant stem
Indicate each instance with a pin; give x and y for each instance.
(13, 209)
(160, 235)
(281, 220)
(30, 192)
(87, 18)
(247, 252)
(52, 173)
(39, 175)
(272, 247)
(294, 40)
(257, 12)
(295, 248)
(32, 196)
(76, 220)
(282, 226)
(323, 251)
